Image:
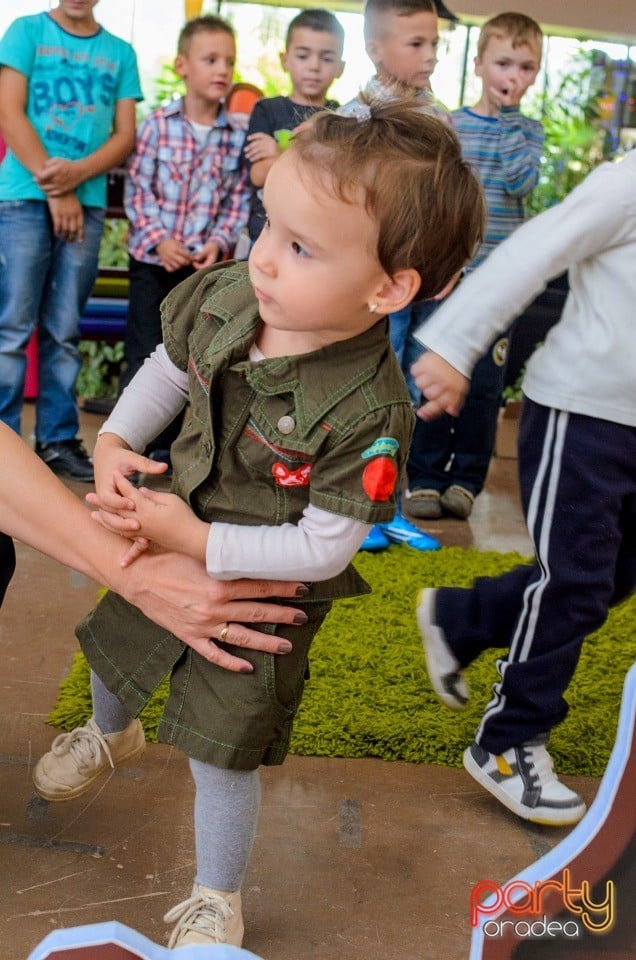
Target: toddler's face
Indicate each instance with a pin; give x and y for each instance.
(405, 48)
(314, 268)
(507, 71)
(313, 62)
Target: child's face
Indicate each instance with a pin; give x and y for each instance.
(506, 71)
(313, 62)
(405, 48)
(208, 65)
(313, 267)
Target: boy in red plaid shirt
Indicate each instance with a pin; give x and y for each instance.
(186, 193)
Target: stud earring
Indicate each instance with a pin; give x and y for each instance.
(373, 307)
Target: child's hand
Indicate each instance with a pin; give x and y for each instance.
(173, 255)
(68, 217)
(112, 455)
(444, 387)
(260, 146)
(508, 96)
(59, 176)
(163, 518)
(206, 256)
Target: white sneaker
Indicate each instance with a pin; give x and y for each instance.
(523, 779)
(78, 758)
(442, 665)
(208, 916)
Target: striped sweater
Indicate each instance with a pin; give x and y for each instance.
(505, 152)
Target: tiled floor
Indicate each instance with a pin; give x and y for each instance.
(354, 859)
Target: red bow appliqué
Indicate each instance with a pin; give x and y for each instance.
(291, 478)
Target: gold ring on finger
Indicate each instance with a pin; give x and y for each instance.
(223, 633)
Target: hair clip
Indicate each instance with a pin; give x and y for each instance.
(362, 112)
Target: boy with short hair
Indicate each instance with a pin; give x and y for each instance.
(577, 475)
(504, 147)
(186, 190)
(401, 38)
(313, 60)
(67, 112)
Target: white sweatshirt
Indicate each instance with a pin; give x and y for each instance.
(587, 364)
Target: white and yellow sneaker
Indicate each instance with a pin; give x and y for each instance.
(523, 779)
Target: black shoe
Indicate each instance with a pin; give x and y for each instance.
(67, 458)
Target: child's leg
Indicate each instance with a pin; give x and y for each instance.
(225, 817)
(77, 759)
(73, 271)
(578, 488)
(108, 712)
(476, 426)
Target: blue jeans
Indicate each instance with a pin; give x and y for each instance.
(44, 283)
(402, 326)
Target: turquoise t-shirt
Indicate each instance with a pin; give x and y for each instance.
(74, 84)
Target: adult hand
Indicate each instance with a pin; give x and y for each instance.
(444, 387)
(177, 593)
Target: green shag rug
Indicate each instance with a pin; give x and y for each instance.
(369, 694)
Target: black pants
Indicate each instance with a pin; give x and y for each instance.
(7, 563)
(149, 286)
(578, 487)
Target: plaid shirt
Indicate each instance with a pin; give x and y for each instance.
(178, 189)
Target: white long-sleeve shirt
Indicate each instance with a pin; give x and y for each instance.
(317, 548)
(587, 363)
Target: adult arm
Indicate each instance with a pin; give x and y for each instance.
(173, 590)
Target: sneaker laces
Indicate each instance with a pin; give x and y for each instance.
(540, 763)
(84, 744)
(202, 913)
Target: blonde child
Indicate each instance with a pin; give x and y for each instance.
(449, 458)
(401, 39)
(186, 191)
(298, 427)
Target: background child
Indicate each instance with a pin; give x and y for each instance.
(299, 423)
(577, 470)
(313, 60)
(186, 191)
(449, 457)
(401, 40)
(67, 112)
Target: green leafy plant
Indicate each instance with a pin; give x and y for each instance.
(575, 141)
(100, 368)
(112, 251)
